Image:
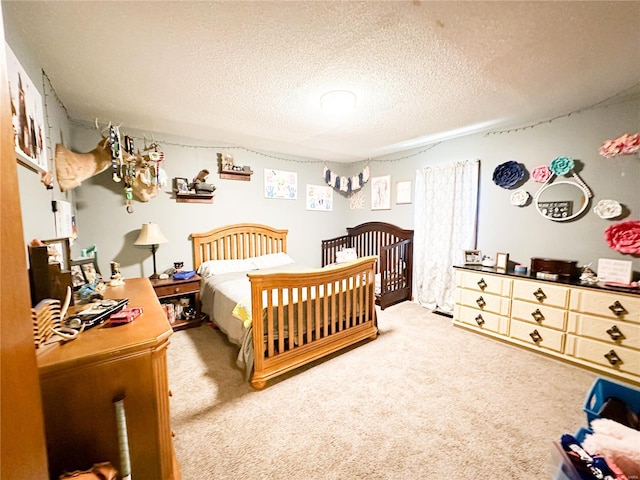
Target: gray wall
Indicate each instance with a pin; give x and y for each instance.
(521, 232)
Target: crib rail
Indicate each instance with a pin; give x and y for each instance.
(298, 317)
(332, 246)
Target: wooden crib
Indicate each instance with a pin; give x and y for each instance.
(394, 248)
(297, 316)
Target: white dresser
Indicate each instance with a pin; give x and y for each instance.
(594, 327)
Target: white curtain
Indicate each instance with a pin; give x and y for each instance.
(446, 207)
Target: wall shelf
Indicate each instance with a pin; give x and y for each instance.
(236, 175)
(194, 197)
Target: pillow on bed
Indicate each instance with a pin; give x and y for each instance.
(346, 255)
(218, 267)
(271, 260)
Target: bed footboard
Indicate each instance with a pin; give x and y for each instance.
(299, 317)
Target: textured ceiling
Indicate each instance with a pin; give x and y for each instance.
(251, 73)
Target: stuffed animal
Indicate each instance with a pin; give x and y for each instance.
(616, 442)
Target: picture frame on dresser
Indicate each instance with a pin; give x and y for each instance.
(59, 251)
(472, 257)
(502, 261)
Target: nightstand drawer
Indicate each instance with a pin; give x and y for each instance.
(177, 289)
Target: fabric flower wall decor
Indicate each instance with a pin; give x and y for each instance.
(562, 165)
(508, 174)
(608, 209)
(541, 174)
(624, 237)
(624, 145)
(519, 198)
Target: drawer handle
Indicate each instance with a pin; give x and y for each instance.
(537, 315)
(535, 336)
(176, 290)
(481, 303)
(613, 357)
(479, 320)
(617, 309)
(615, 333)
(482, 284)
(539, 294)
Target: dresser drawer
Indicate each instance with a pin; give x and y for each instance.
(541, 293)
(609, 305)
(484, 283)
(612, 332)
(613, 357)
(537, 336)
(481, 320)
(539, 314)
(483, 301)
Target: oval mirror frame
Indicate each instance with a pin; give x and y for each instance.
(586, 194)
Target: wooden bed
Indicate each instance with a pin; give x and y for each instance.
(330, 308)
(392, 245)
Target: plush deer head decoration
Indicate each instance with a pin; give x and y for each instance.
(72, 168)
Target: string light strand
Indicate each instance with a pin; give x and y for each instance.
(93, 126)
(580, 110)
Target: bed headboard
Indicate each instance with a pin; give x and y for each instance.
(238, 241)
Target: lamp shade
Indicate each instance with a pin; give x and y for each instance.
(150, 234)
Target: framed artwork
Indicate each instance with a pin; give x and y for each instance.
(58, 250)
(381, 193)
(403, 192)
(502, 260)
(83, 271)
(472, 257)
(77, 276)
(280, 184)
(181, 185)
(319, 198)
(27, 117)
(620, 271)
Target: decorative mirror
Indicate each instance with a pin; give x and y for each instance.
(562, 201)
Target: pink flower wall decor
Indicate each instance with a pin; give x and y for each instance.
(626, 144)
(541, 174)
(624, 237)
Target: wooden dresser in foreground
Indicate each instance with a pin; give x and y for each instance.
(80, 379)
(597, 328)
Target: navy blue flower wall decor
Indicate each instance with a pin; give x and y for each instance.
(508, 174)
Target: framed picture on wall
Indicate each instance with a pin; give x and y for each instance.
(403, 192)
(28, 117)
(320, 198)
(381, 193)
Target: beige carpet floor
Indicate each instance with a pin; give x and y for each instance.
(425, 400)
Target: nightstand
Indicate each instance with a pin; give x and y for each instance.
(170, 289)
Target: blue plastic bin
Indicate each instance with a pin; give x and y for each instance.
(581, 434)
(602, 389)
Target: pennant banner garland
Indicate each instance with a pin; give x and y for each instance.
(346, 184)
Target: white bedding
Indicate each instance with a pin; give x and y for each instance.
(219, 296)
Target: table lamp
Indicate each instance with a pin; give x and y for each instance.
(150, 234)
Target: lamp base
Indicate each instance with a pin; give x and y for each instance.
(155, 276)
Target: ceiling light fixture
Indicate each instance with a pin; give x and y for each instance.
(338, 101)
